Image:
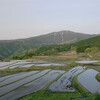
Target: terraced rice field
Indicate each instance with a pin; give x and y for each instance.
(12, 86)
(23, 63)
(4, 65)
(65, 80)
(17, 77)
(88, 80)
(87, 61)
(17, 85)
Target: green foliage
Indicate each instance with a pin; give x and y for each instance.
(97, 96)
(50, 95)
(12, 47)
(42, 51)
(93, 43)
(98, 77)
(73, 64)
(92, 50)
(81, 47)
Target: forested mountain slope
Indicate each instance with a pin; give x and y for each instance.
(10, 47)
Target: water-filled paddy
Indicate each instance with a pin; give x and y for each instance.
(87, 61)
(25, 64)
(33, 86)
(64, 80)
(17, 77)
(88, 80)
(15, 85)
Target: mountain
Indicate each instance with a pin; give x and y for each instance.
(10, 47)
(80, 46)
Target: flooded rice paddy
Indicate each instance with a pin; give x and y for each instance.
(88, 80)
(24, 63)
(17, 85)
(12, 86)
(65, 80)
(29, 85)
(87, 61)
(17, 77)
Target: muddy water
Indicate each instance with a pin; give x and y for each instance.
(33, 86)
(28, 65)
(22, 65)
(64, 80)
(49, 64)
(88, 80)
(87, 61)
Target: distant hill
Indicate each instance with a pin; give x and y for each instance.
(80, 46)
(10, 47)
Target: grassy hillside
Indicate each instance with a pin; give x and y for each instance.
(80, 46)
(88, 43)
(10, 47)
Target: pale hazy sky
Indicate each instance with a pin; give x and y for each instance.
(27, 18)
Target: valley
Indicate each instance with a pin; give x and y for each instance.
(23, 79)
(64, 69)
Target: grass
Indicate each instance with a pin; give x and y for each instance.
(73, 64)
(50, 95)
(98, 77)
(93, 64)
(93, 67)
(97, 96)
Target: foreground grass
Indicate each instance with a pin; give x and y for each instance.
(98, 77)
(93, 67)
(50, 95)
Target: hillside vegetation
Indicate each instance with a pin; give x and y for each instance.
(88, 45)
(11, 47)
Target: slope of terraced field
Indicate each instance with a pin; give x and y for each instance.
(17, 85)
(26, 83)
